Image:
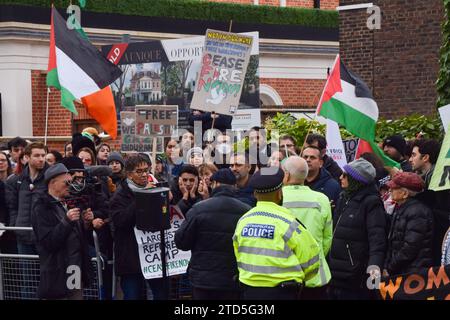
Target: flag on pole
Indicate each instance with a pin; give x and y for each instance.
(347, 100)
(75, 66)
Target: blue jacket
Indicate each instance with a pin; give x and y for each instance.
(327, 185)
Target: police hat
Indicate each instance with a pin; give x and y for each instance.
(266, 183)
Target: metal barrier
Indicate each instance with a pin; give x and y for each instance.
(19, 276)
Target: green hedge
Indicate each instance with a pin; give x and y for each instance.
(202, 10)
(409, 127)
(443, 82)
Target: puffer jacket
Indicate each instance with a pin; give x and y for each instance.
(410, 238)
(207, 232)
(21, 195)
(359, 238)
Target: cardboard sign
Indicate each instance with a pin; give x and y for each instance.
(156, 120)
(222, 73)
(149, 243)
(131, 143)
(441, 175)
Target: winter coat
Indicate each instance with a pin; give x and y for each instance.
(60, 244)
(208, 232)
(123, 212)
(410, 238)
(359, 238)
(246, 195)
(20, 197)
(327, 185)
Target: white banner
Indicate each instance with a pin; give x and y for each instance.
(335, 147)
(150, 253)
(245, 119)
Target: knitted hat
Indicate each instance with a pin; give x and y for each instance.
(397, 142)
(115, 156)
(192, 151)
(73, 164)
(361, 170)
(409, 180)
(224, 176)
(54, 171)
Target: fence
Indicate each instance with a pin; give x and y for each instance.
(19, 276)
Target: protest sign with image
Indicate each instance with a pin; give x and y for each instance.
(350, 147)
(222, 73)
(441, 175)
(150, 254)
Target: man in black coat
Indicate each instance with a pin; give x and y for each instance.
(207, 232)
(411, 234)
(65, 266)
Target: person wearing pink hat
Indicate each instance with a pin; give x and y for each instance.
(410, 238)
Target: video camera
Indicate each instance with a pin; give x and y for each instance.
(84, 190)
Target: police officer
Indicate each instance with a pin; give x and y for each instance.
(274, 252)
(313, 209)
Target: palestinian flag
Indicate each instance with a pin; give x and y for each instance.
(347, 100)
(75, 66)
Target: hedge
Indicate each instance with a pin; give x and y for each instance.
(202, 10)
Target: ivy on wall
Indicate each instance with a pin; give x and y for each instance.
(443, 82)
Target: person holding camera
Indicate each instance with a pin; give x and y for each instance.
(65, 266)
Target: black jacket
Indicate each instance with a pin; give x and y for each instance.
(207, 232)
(326, 184)
(359, 238)
(332, 167)
(410, 238)
(123, 212)
(60, 243)
(20, 197)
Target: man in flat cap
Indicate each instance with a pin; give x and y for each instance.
(275, 253)
(63, 253)
(207, 232)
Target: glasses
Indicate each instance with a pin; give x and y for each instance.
(288, 145)
(142, 171)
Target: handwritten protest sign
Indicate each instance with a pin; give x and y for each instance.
(156, 120)
(222, 73)
(150, 254)
(131, 142)
(441, 175)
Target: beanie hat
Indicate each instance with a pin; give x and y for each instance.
(79, 142)
(224, 176)
(361, 170)
(73, 164)
(397, 142)
(192, 151)
(115, 156)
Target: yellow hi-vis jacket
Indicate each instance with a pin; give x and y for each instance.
(313, 210)
(271, 247)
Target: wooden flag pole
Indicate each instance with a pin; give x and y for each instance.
(154, 155)
(231, 24)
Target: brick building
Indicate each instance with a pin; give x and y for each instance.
(292, 66)
(400, 61)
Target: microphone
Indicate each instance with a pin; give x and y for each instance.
(99, 171)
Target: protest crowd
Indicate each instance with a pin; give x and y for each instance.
(285, 222)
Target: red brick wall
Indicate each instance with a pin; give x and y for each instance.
(59, 119)
(399, 62)
(297, 92)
